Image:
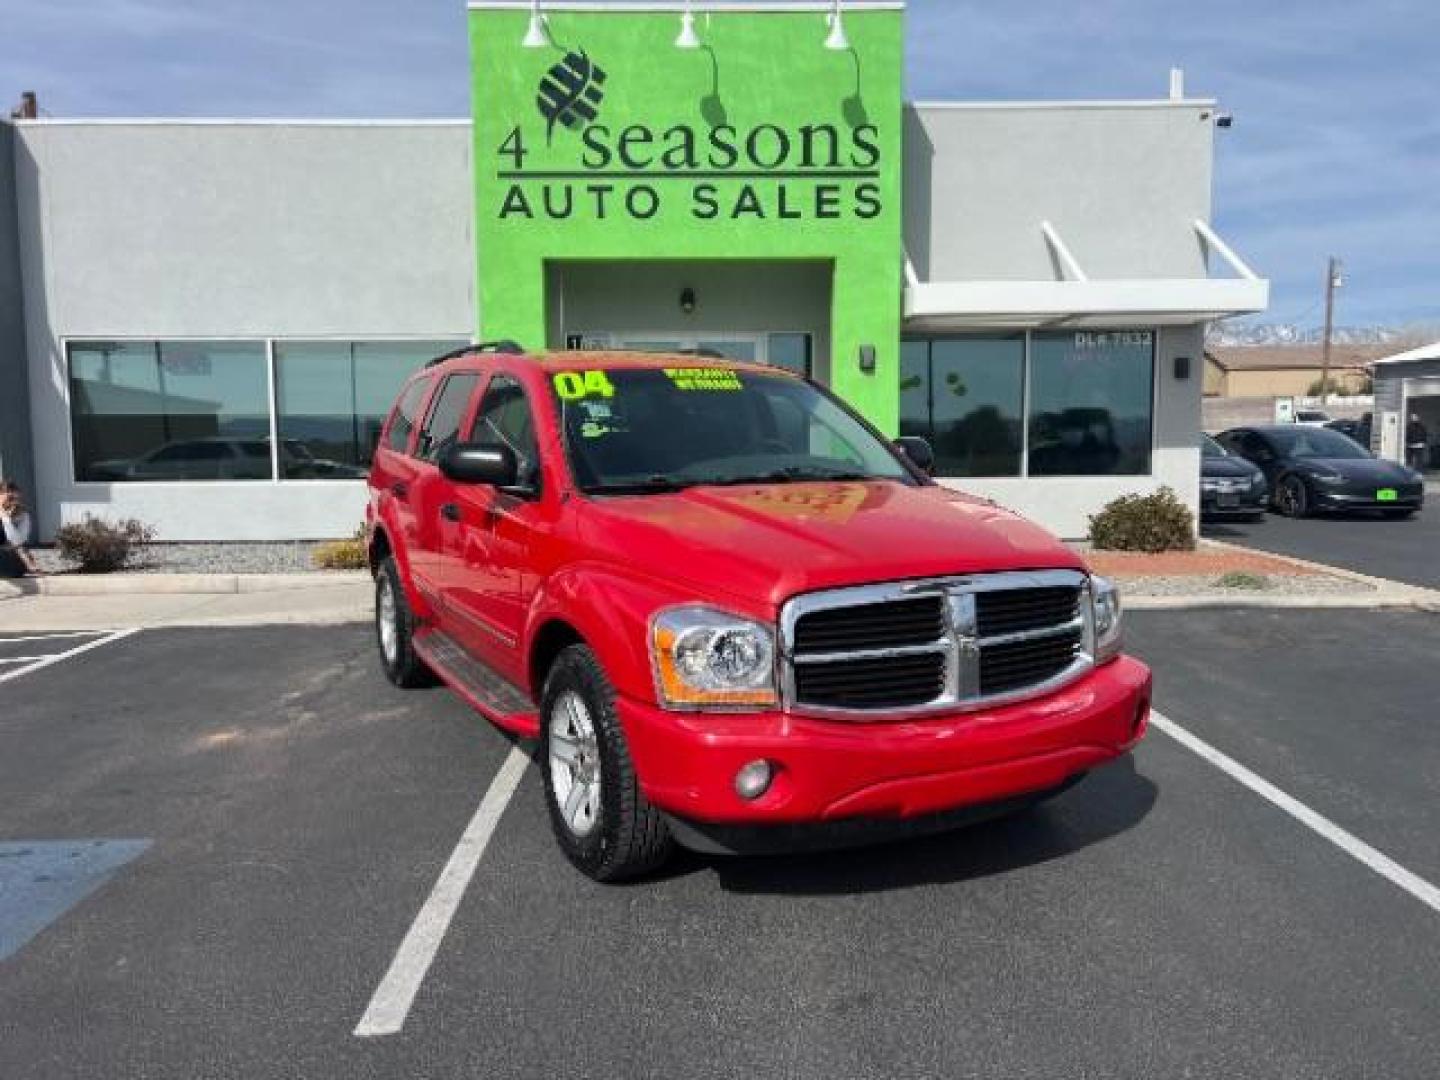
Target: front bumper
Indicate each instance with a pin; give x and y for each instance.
(829, 770)
(1248, 501)
(1355, 497)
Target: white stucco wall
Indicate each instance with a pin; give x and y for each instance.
(356, 231)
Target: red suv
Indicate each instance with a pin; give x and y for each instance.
(734, 614)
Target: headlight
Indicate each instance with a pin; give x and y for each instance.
(705, 658)
(1105, 618)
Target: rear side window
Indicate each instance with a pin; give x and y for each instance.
(402, 421)
(443, 426)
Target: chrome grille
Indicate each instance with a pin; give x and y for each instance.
(944, 644)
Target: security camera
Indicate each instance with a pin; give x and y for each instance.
(1224, 119)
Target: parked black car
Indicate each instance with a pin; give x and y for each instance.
(1229, 485)
(1311, 469)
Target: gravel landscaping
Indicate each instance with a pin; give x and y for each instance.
(1275, 585)
(291, 557)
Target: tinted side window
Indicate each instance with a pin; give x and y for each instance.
(505, 417)
(443, 426)
(402, 421)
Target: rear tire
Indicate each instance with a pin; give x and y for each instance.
(1292, 497)
(395, 629)
(601, 819)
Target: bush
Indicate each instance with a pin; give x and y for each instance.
(340, 555)
(1155, 522)
(1242, 579)
(343, 554)
(97, 546)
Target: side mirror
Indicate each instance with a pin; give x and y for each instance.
(918, 451)
(479, 463)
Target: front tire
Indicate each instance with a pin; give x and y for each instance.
(600, 817)
(1292, 497)
(395, 630)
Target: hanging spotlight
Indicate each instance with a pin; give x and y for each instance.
(688, 38)
(538, 36)
(836, 41)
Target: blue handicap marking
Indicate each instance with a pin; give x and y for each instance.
(40, 880)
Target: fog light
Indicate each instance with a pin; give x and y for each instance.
(753, 780)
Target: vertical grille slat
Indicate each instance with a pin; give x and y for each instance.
(891, 650)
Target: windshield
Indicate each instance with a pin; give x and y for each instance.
(1316, 443)
(662, 429)
(1210, 448)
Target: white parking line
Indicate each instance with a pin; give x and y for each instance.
(390, 1004)
(46, 661)
(23, 659)
(1347, 842)
(6, 639)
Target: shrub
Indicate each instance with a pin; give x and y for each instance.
(1155, 522)
(1243, 579)
(97, 546)
(342, 554)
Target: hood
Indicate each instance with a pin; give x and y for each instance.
(768, 542)
(1227, 466)
(1360, 470)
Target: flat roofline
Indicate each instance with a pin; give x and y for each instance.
(1095, 103)
(644, 6)
(230, 121)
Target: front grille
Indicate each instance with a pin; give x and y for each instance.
(1009, 611)
(1017, 664)
(888, 625)
(891, 682)
(934, 645)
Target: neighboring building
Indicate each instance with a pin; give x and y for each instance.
(1258, 371)
(216, 313)
(1407, 391)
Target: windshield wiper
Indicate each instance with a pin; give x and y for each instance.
(792, 474)
(658, 484)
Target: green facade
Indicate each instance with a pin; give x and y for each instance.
(763, 145)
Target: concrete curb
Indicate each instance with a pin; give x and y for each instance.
(175, 584)
(1420, 600)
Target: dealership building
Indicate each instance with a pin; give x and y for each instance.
(203, 322)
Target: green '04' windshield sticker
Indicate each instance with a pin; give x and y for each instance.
(704, 378)
(579, 385)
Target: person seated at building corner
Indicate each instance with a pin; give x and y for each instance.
(15, 557)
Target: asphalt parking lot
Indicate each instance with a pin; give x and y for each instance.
(1407, 551)
(215, 885)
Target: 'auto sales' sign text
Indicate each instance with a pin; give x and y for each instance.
(719, 172)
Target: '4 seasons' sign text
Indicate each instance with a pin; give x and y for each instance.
(813, 171)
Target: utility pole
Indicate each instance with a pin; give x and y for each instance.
(1332, 282)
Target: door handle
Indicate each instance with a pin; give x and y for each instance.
(450, 512)
(400, 489)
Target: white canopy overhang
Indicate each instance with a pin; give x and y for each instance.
(1077, 301)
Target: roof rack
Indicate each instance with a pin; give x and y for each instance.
(503, 345)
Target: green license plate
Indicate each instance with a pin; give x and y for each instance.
(1386, 495)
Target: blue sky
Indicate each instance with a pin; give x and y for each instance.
(1335, 148)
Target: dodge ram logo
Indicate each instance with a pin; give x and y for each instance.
(570, 93)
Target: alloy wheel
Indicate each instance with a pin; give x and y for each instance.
(387, 619)
(574, 763)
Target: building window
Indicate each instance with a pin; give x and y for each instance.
(332, 398)
(200, 410)
(173, 410)
(1090, 402)
(1091, 396)
(791, 351)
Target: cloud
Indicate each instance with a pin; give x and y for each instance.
(1335, 147)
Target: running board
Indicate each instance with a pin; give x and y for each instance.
(503, 703)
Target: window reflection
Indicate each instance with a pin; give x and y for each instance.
(1090, 403)
(181, 410)
(333, 397)
(965, 395)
